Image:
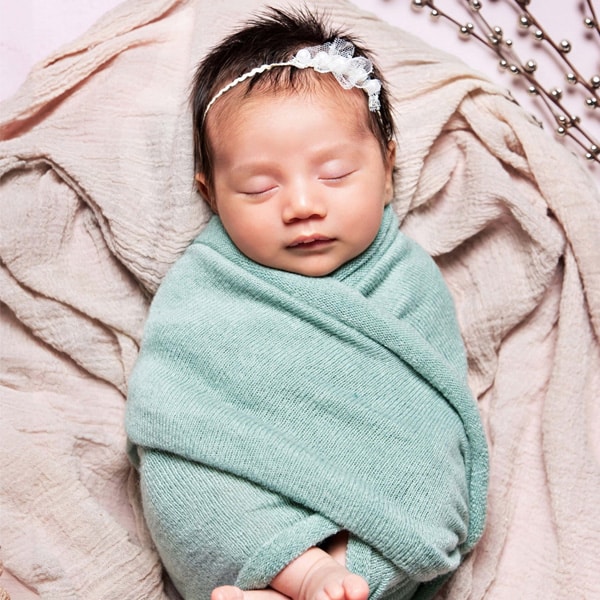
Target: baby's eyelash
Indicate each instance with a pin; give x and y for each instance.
(338, 178)
(259, 192)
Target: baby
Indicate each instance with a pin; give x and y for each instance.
(299, 411)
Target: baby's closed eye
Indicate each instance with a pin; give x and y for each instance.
(257, 186)
(336, 171)
(337, 177)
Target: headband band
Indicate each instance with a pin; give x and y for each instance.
(336, 57)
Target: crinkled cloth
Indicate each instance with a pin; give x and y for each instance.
(97, 201)
(345, 394)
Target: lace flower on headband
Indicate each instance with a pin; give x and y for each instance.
(336, 57)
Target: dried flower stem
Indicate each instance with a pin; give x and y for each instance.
(594, 20)
(568, 125)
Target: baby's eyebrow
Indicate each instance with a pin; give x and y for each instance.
(271, 169)
(335, 149)
(317, 155)
(260, 167)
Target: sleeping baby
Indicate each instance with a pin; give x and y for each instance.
(299, 413)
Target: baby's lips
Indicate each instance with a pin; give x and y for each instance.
(309, 239)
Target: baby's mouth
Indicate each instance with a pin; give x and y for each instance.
(310, 241)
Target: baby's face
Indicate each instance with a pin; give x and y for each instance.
(299, 181)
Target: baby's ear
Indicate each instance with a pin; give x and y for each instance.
(389, 171)
(205, 191)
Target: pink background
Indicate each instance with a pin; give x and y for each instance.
(31, 29)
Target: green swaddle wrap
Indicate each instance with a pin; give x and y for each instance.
(344, 397)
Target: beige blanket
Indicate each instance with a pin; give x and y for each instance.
(97, 200)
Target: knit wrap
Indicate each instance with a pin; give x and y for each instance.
(346, 394)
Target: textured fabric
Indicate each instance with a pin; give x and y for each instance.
(346, 394)
(97, 200)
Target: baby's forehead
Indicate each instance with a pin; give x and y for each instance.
(300, 129)
(349, 105)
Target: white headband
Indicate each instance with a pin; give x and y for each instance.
(335, 57)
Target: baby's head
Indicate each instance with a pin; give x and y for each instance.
(293, 138)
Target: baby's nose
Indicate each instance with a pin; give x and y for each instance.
(303, 203)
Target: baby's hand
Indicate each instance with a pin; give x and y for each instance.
(230, 592)
(328, 580)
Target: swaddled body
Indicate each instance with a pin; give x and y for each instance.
(274, 410)
(302, 378)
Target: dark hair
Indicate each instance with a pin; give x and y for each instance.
(272, 36)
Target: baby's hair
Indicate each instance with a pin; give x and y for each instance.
(271, 37)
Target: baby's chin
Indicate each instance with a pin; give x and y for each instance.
(306, 271)
(315, 272)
